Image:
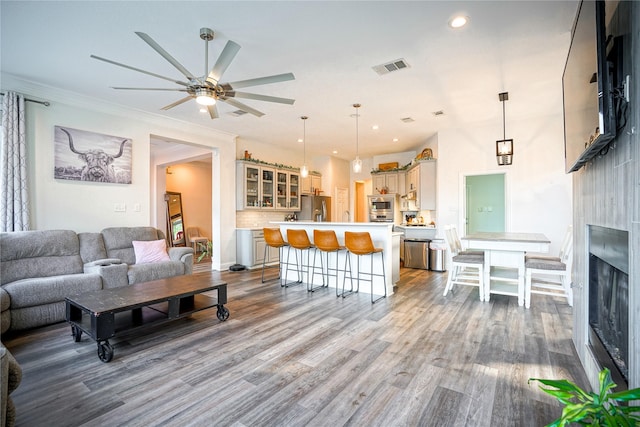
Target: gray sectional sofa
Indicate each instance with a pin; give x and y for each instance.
(38, 269)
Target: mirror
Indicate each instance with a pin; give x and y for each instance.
(175, 220)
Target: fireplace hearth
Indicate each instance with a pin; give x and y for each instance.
(609, 301)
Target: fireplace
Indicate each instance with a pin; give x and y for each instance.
(609, 301)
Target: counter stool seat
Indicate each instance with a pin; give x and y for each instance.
(360, 244)
(326, 243)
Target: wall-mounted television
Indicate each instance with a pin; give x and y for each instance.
(589, 118)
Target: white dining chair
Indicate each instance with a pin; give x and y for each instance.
(548, 275)
(464, 268)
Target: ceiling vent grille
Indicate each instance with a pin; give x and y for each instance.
(397, 65)
(407, 119)
(438, 113)
(238, 113)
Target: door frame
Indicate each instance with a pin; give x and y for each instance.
(462, 202)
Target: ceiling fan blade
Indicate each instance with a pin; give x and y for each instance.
(260, 97)
(178, 102)
(139, 70)
(165, 55)
(259, 81)
(224, 60)
(243, 107)
(150, 88)
(213, 111)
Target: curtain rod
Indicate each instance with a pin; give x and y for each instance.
(45, 103)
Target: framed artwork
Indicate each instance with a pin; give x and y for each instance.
(88, 156)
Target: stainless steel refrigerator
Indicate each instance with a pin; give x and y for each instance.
(315, 208)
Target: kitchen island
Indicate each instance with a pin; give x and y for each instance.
(383, 237)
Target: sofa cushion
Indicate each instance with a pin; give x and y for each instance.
(118, 241)
(5, 300)
(44, 290)
(27, 254)
(150, 251)
(140, 273)
(91, 247)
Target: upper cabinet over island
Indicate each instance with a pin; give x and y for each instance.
(418, 182)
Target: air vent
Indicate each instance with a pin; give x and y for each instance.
(407, 119)
(238, 113)
(438, 113)
(397, 65)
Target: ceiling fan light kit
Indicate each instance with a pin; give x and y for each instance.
(207, 90)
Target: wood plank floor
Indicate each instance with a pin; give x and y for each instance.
(287, 357)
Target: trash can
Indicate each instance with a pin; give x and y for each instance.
(437, 250)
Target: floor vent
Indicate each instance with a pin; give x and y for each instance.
(397, 65)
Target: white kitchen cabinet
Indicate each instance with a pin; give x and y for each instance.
(250, 246)
(393, 181)
(311, 182)
(287, 190)
(266, 188)
(421, 178)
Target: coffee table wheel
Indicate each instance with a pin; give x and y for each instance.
(223, 313)
(105, 351)
(76, 333)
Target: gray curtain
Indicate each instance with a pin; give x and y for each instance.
(14, 202)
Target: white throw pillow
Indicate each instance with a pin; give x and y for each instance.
(150, 251)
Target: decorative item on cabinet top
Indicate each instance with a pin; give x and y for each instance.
(274, 165)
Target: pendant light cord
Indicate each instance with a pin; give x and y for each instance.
(504, 123)
(356, 106)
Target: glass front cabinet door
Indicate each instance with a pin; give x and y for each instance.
(294, 191)
(252, 186)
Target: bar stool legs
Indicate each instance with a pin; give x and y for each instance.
(360, 244)
(299, 242)
(273, 238)
(326, 243)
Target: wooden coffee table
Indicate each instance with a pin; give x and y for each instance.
(103, 313)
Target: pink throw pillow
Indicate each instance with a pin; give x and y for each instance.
(150, 251)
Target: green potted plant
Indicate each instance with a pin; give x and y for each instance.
(589, 408)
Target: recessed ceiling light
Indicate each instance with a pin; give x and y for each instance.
(300, 140)
(395, 139)
(335, 151)
(458, 21)
(375, 127)
(203, 110)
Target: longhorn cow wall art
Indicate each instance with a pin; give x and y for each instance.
(87, 156)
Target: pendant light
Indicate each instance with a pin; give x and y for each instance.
(504, 147)
(304, 171)
(357, 163)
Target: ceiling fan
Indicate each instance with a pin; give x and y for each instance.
(207, 89)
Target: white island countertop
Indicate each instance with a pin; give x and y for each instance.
(382, 235)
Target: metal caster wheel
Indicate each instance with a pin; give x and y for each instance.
(223, 313)
(105, 351)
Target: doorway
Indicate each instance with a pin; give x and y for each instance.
(360, 214)
(485, 203)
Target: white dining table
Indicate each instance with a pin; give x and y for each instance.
(504, 254)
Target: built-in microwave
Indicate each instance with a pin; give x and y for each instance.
(382, 207)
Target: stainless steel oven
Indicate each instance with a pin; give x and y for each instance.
(382, 208)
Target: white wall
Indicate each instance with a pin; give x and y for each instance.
(538, 191)
(83, 206)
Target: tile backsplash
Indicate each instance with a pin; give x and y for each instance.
(258, 218)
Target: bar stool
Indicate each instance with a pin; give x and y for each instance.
(361, 244)
(299, 241)
(273, 238)
(326, 243)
